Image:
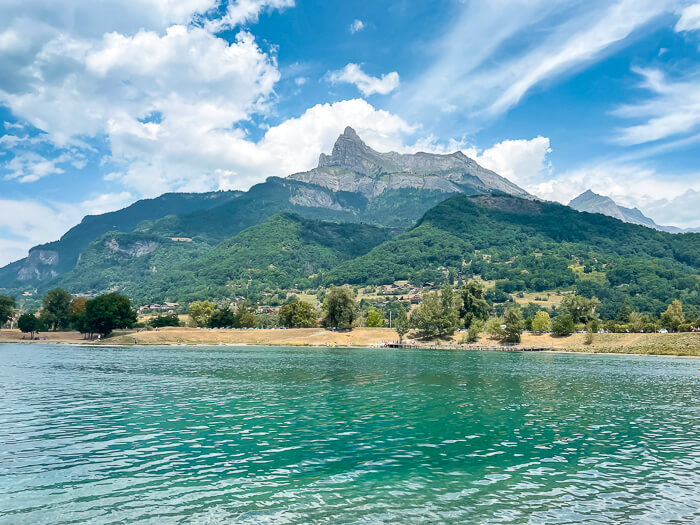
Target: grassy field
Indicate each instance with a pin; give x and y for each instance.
(687, 344)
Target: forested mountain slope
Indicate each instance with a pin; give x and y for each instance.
(527, 245)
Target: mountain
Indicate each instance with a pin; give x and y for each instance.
(354, 166)
(532, 246)
(592, 202)
(353, 184)
(283, 251)
(48, 261)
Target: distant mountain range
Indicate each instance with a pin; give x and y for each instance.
(592, 202)
(368, 218)
(353, 184)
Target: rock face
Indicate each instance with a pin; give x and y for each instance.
(133, 249)
(40, 265)
(595, 203)
(354, 166)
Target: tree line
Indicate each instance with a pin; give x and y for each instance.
(61, 311)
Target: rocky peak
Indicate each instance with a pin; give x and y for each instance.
(349, 151)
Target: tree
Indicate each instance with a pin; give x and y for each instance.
(581, 309)
(244, 317)
(339, 308)
(563, 325)
(513, 320)
(673, 317)
(29, 324)
(165, 320)
(623, 315)
(76, 314)
(297, 314)
(437, 315)
(474, 303)
(107, 312)
(55, 309)
(494, 327)
(541, 322)
(7, 309)
(374, 317)
(222, 318)
(200, 312)
(401, 324)
(475, 329)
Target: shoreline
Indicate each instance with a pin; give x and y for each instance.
(671, 345)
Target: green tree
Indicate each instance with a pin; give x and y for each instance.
(623, 315)
(29, 324)
(475, 330)
(513, 320)
(563, 325)
(673, 317)
(474, 304)
(55, 309)
(297, 314)
(541, 322)
(402, 324)
(200, 312)
(245, 316)
(437, 315)
(164, 320)
(222, 318)
(7, 309)
(581, 309)
(105, 313)
(374, 318)
(339, 308)
(494, 327)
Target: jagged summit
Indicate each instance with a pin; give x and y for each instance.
(354, 166)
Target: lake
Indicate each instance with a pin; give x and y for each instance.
(301, 435)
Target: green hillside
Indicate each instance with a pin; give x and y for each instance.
(66, 251)
(527, 245)
(284, 251)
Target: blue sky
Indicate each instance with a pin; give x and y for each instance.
(101, 105)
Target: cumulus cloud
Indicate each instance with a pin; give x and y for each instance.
(368, 85)
(522, 161)
(356, 26)
(689, 19)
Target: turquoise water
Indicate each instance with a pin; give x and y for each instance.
(272, 435)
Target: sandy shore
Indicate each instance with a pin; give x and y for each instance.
(652, 344)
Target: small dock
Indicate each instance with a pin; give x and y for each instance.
(481, 348)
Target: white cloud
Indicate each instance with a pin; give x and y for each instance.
(27, 166)
(356, 26)
(368, 85)
(489, 59)
(522, 161)
(673, 109)
(26, 223)
(205, 159)
(690, 19)
(666, 198)
(241, 11)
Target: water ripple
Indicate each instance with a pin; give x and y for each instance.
(292, 436)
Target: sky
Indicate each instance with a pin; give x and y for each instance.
(104, 103)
